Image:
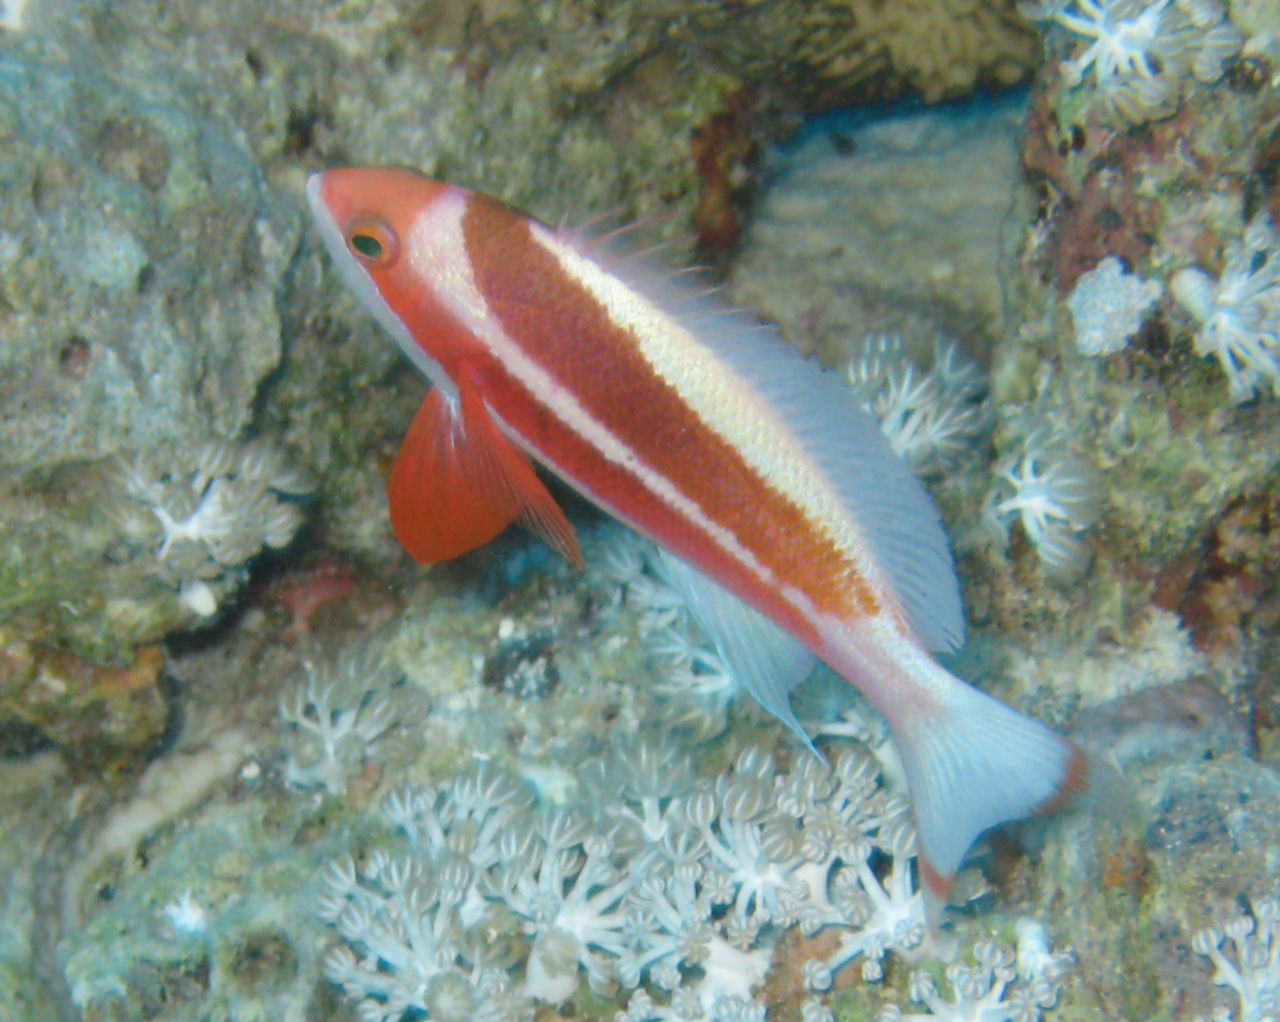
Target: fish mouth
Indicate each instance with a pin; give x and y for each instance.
(318, 208)
(313, 190)
(332, 236)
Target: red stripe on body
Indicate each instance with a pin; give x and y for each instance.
(573, 338)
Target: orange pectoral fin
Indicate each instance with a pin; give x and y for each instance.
(458, 482)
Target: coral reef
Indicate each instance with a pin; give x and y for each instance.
(150, 274)
(1227, 594)
(169, 332)
(1150, 151)
(1175, 479)
(846, 51)
(1245, 954)
(102, 717)
(337, 710)
(171, 536)
(199, 517)
(874, 188)
(993, 990)
(654, 878)
(139, 262)
(1165, 225)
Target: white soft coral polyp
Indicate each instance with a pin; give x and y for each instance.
(1124, 38)
(1239, 313)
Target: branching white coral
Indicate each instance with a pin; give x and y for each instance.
(991, 991)
(752, 852)
(696, 687)
(335, 713)
(848, 821)
(572, 898)
(1239, 313)
(1108, 307)
(1139, 52)
(471, 817)
(408, 952)
(638, 788)
(928, 416)
(1055, 496)
(643, 1008)
(201, 516)
(678, 900)
(1250, 965)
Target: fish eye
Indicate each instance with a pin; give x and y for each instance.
(371, 240)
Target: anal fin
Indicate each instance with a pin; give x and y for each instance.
(767, 661)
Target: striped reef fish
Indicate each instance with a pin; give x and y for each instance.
(789, 523)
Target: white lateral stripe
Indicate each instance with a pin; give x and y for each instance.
(735, 414)
(437, 250)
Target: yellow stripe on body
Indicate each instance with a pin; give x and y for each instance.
(733, 410)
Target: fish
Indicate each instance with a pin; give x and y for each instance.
(792, 528)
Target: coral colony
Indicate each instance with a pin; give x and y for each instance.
(1054, 495)
(337, 712)
(200, 516)
(1238, 314)
(1108, 307)
(999, 988)
(1245, 953)
(1139, 53)
(927, 416)
(672, 894)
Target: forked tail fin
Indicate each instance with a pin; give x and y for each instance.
(977, 764)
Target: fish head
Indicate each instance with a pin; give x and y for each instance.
(367, 218)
